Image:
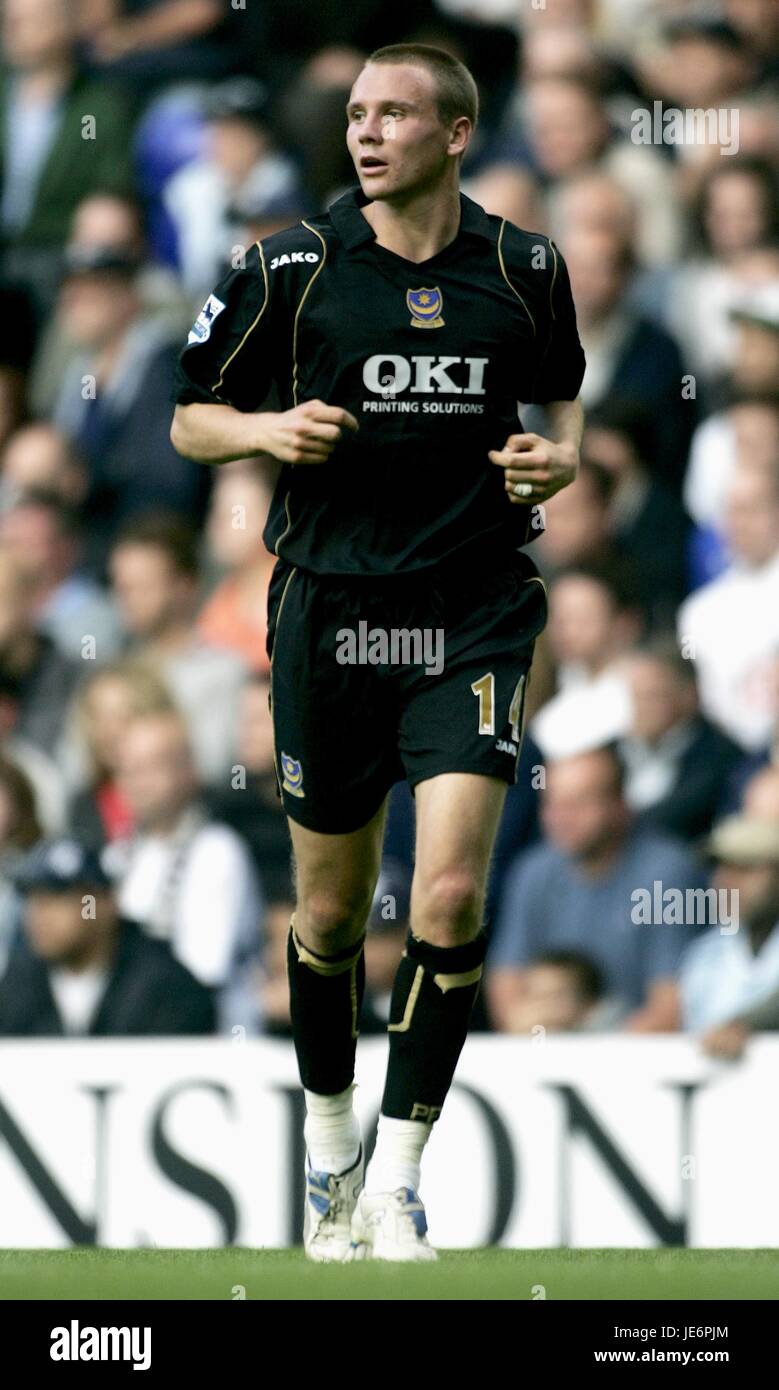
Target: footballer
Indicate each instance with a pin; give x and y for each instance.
(400, 329)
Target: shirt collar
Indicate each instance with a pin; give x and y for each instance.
(354, 229)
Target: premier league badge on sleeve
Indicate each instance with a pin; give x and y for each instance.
(201, 328)
(292, 774)
(425, 308)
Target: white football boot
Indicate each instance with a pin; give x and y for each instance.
(330, 1202)
(391, 1226)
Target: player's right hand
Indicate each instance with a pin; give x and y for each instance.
(308, 433)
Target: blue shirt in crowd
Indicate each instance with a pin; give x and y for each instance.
(550, 904)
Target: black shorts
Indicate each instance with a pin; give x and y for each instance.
(378, 679)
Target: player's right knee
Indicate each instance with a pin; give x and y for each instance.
(334, 918)
(449, 906)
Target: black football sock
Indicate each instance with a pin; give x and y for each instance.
(432, 999)
(325, 1001)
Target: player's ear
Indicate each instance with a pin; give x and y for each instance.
(459, 135)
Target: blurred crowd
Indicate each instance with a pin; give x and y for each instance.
(145, 877)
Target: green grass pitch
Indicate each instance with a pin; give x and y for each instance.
(234, 1273)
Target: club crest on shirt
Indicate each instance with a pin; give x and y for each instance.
(425, 308)
(201, 328)
(292, 774)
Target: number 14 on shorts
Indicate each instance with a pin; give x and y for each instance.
(484, 690)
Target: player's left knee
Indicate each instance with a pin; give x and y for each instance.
(449, 907)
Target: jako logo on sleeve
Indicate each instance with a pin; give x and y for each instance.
(294, 259)
(76, 1343)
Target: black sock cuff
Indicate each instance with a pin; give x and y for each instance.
(348, 953)
(447, 960)
(337, 964)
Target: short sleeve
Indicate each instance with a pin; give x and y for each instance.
(561, 369)
(228, 356)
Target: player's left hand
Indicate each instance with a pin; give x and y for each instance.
(535, 468)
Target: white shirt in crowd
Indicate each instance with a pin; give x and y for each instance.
(586, 713)
(730, 628)
(721, 977)
(197, 198)
(77, 994)
(710, 470)
(30, 131)
(652, 769)
(197, 889)
(203, 679)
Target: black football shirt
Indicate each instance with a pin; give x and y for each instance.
(431, 358)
